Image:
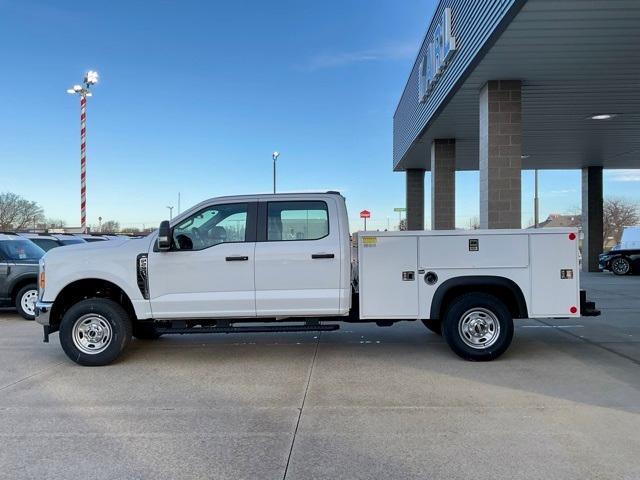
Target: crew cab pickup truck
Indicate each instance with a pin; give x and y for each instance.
(288, 263)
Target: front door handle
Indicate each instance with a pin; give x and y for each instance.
(316, 256)
(237, 258)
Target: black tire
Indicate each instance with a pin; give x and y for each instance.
(620, 266)
(434, 325)
(27, 291)
(145, 331)
(459, 331)
(100, 310)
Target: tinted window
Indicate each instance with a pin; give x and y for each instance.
(20, 251)
(297, 221)
(212, 226)
(94, 239)
(45, 243)
(71, 241)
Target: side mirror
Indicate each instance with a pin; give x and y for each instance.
(164, 236)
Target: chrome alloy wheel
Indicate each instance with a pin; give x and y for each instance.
(479, 328)
(28, 301)
(92, 334)
(620, 266)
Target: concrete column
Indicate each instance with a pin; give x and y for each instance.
(592, 217)
(501, 154)
(415, 199)
(443, 185)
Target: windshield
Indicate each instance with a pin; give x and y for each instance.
(20, 251)
(45, 243)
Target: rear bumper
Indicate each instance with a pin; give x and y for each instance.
(587, 308)
(43, 311)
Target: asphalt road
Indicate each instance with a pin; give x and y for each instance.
(360, 403)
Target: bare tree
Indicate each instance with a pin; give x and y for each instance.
(403, 225)
(111, 226)
(18, 213)
(618, 213)
(474, 223)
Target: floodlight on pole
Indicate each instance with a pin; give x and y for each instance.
(275, 156)
(83, 91)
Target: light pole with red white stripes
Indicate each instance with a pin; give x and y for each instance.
(84, 91)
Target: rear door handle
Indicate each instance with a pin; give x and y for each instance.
(316, 256)
(237, 259)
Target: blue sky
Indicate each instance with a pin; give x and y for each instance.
(195, 95)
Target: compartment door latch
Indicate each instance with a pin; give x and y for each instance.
(408, 276)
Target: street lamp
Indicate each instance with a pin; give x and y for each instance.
(83, 91)
(275, 156)
(170, 212)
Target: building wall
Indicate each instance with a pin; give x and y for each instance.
(473, 24)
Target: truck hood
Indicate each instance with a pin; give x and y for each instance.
(97, 248)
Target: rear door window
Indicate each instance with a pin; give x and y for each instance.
(295, 221)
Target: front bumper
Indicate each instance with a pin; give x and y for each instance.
(43, 311)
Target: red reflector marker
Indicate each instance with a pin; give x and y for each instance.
(572, 236)
(573, 309)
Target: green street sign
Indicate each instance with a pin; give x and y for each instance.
(398, 209)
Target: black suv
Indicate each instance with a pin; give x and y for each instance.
(19, 273)
(621, 261)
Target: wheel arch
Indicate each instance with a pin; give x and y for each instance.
(20, 282)
(503, 288)
(86, 288)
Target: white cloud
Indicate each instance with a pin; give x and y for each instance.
(559, 193)
(623, 175)
(396, 51)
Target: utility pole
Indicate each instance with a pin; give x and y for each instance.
(275, 156)
(91, 78)
(170, 212)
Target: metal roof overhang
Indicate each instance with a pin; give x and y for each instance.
(576, 59)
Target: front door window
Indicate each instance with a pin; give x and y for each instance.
(212, 226)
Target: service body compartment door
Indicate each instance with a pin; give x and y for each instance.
(554, 256)
(388, 276)
(450, 256)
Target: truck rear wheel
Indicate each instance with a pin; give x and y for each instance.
(478, 327)
(95, 331)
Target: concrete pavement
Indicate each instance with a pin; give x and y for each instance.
(363, 402)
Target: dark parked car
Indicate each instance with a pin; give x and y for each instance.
(19, 259)
(67, 238)
(45, 242)
(621, 261)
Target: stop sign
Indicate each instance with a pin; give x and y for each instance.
(365, 214)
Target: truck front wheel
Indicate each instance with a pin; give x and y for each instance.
(95, 331)
(478, 327)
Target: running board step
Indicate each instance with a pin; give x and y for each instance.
(253, 329)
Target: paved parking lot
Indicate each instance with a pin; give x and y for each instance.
(360, 403)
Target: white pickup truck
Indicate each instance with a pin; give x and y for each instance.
(286, 262)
